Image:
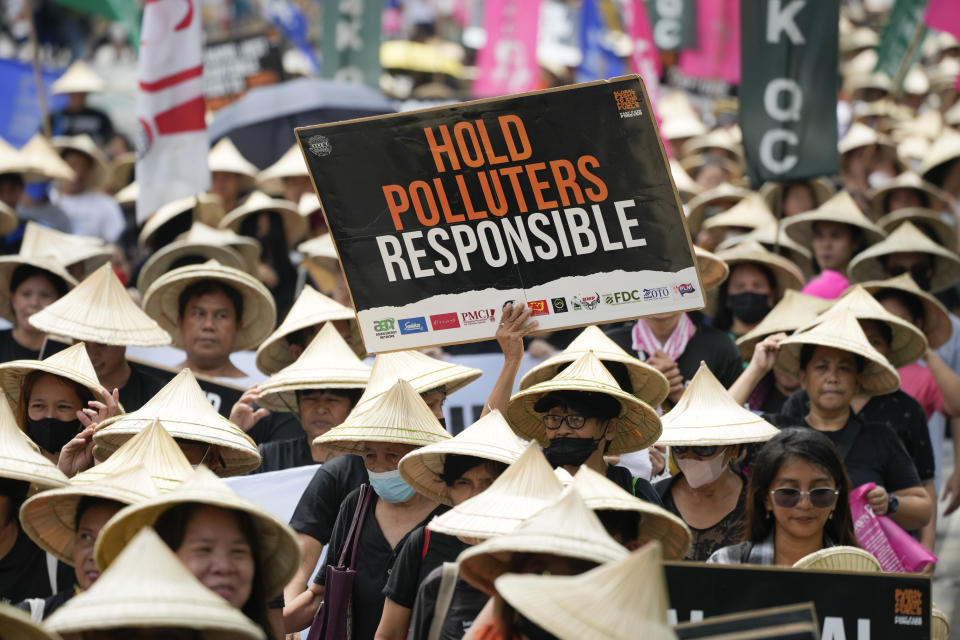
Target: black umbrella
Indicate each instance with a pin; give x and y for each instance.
(261, 123)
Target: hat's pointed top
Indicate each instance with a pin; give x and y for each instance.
(794, 310)
(41, 158)
(153, 448)
(420, 370)
(224, 156)
(78, 78)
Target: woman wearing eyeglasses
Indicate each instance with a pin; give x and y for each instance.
(797, 502)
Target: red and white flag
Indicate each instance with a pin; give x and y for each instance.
(172, 143)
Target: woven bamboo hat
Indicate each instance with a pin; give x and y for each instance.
(78, 78)
(179, 215)
(686, 187)
(320, 249)
(775, 239)
(638, 425)
(839, 558)
(276, 542)
(795, 310)
(934, 197)
(842, 331)
(311, 308)
(946, 148)
(309, 204)
(149, 587)
(9, 264)
(713, 270)
(489, 438)
(860, 135)
(772, 193)
(66, 249)
(936, 319)
(785, 272)
(19, 625)
(420, 370)
(50, 517)
(868, 264)
(656, 523)
(43, 162)
(184, 412)
(328, 362)
(697, 207)
(100, 310)
(648, 383)
(680, 119)
(527, 486)
(694, 163)
(908, 344)
(398, 415)
(707, 415)
(751, 212)
(200, 242)
(11, 160)
(127, 197)
(154, 449)
(921, 218)
(85, 145)
(72, 363)
(566, 528)
(614, 601)
(840, 208)
(719, 138)
(20, 458)
(289, 165)
(939, 624)
(294, 225)
(224, 156)
(259, 310)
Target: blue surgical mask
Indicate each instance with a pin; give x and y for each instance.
(390, 486)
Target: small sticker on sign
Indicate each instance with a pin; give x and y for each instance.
(320, 146)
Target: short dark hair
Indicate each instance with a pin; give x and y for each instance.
(26, 271)
(11, 179)
(885, 331)
(807, 350)
(455, 465)
(89, 502)
(625, 524)
(911, 302)
(301, 337)
(16, 492)
(590, 404)
(202, 288)
(353, 395)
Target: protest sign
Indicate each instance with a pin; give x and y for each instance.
(351, 40)
(507, 63)
(232, 66)
(788, 92)
(560, 200)
(674, 24)
(795, 622)
(854, 606)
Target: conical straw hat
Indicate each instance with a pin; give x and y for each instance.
(840, 208)
(309, 204)
(936, 324)
(9, 264)
(181, 214)
(489, 438)
(656, 523)
(276, 542)
(20, 458)
(842, 331)
(944, 149)
(860, 135)
(527, 486)
(696, 208)
(153, 448)
(310, 308)
(939, 624)
(398, 415)
(839, 558)
(259, 310)
(85, 145)
(72, 363)
(648, 383)
(773, 236)
(170, 597)
(936, 199)
(707, 414)
(680, 120)
(224, 156)
(614, 601)
(127, 197)
(100, 310)
(713, 270)
(686, 187)
(43, 162)
(719, 138)
(50, 517)
(420, 370)
(946, 235)
(859, 38)
(11, 160)
(751, 212)
(289, 165)
(122, 168)
(908, 344)
(184, 412)
(66, 249)
(78, 78)
(294, 225)
(200, 242)
(772, 193)
(638, 426)
(693, 163)
(566, 528)
(19, 625)
(321, 249)
(328, 362)
(795, 310)
(787, 274)
(868, 264)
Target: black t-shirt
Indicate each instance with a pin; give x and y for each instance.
(897, 410)
(276, 427)
(412, 566)
(285, 454)
(50, 604)
(139, 388)
(464, 608)
(88, 120)
(634, 486)
(318, 507)
(375, 558)
(23, 572)
(10, 349)
(877, 455)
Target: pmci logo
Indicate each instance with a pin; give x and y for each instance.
(412, 325)
(685, 288)
(478, 316)
(657, 293)
(385, 325)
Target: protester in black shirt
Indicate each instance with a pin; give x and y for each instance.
(78, 81)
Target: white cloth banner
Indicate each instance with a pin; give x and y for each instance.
(172, 143)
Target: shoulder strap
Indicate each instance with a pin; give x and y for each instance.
(448, 580)
(426, 544)
(356, 526)
(847, 437)
(52, 572)
(37, 606)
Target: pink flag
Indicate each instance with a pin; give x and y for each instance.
(508, 61)
(944, 15)
(644, 58)
(717, 56)
(172, 145)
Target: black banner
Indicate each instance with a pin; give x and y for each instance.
(788, 88)
(674, 24)
(559, 199)
(232, 66)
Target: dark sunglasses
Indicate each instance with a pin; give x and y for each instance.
(820, 498)
(702, 452)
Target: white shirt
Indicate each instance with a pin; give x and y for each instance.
(92, 213)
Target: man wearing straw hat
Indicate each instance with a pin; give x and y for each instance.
(92, 212)
(77, 82)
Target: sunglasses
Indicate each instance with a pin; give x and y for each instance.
(820, 498)
(702, 452)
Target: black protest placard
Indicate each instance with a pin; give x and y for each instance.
(232, 66)
(794, 622)
(788, 88)
(855, 606)
(560, 200)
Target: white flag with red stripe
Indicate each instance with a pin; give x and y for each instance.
(172, 143)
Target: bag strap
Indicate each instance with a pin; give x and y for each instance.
(847, 437)
(426, 544)
(356, 526)
(448, 580)
(52, 572)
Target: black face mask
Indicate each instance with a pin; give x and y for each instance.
(570, 452)
(749, 307)
(443, 422)
(51, 434)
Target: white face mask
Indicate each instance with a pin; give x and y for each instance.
(702, 472)
(878, 179)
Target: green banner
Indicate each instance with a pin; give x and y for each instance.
(788, 88)
(351, 41)
(904, 25)
(674, 24)
(124, 11)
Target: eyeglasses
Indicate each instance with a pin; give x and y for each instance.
(820, 498)
(552, 421)
(699, 451)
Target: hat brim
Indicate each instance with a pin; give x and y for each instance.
(13, 373)
(422, 469)
(936, 319)
(648, 384)
(294, 225)
(9, 264)
(799, 228)
(877, 378)
(868, 265)
(163, 259)
(274, 354)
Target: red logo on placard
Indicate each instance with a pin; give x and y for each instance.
(444, 321)
(538, 307)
